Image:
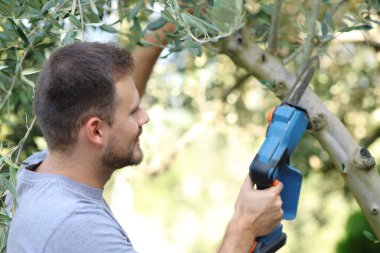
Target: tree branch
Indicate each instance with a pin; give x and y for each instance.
(273, 34)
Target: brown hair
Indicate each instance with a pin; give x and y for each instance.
(76, 83)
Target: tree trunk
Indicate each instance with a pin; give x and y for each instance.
(355, 163)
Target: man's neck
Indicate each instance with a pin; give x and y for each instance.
(77, 167)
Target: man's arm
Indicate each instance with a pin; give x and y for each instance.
(257, 212)
(146, 57)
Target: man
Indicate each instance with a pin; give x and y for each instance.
(87, 105)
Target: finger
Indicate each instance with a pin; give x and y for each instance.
(278, 188)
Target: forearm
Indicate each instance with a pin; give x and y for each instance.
(146, 57)
(238, 238)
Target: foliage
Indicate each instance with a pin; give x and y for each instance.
(30, 30)
(209, 22)
(357, 241)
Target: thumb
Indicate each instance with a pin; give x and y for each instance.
(278, 187)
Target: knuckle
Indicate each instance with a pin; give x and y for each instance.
(272, 195)
(278, 203)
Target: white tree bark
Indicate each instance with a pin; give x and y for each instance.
(355, 163)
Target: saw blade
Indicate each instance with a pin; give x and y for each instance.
(295, 93)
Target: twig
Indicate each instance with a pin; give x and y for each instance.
(337, 6)
(81, 18)
(73, 7)
(293, 55)
(273, 34)
(18, 70)
(239, 82)
(20, 146)
(308, 47)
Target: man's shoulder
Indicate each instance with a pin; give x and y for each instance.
(44, 203)
(38, 218)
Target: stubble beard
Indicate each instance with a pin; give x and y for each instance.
(114, 158)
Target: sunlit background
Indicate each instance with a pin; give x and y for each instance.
(207, 122)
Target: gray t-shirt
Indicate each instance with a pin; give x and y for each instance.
(56, 214)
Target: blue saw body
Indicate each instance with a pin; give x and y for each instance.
(272, 162)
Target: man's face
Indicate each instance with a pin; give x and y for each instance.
(123, 147)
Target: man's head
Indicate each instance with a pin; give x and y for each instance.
(78, 83)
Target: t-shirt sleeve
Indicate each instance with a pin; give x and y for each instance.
(89, 231)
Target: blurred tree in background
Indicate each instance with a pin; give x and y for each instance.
(207, 109)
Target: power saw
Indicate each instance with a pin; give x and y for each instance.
(287, 123)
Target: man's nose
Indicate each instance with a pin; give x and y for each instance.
(143, 117)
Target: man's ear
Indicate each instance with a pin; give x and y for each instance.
(96, 131)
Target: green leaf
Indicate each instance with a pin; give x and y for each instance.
(30, 71)
(135, 10)
(20, 10)
(109, 28)
(189, 43)
(93, 7)
(75, 21)
(137, 28)
(9, 186)
(54, 22)
(95, 24)
(157, 24)
(27, 81)
(168, 16)
(22, 35)
(10, 162)
(324, 29)
(4, 8)
(267, 8)
(363, 27)
(194, 22)
(69, 37)
(329, 19)
(196, 51)
(19, 31)
(5, 219)
(47, 6)
(3, 225)
(369, 236)
(374, 21)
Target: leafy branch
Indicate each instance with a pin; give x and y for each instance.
(206, 23)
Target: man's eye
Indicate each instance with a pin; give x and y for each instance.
(135, 110)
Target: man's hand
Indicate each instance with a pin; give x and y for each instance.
(257, 212)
